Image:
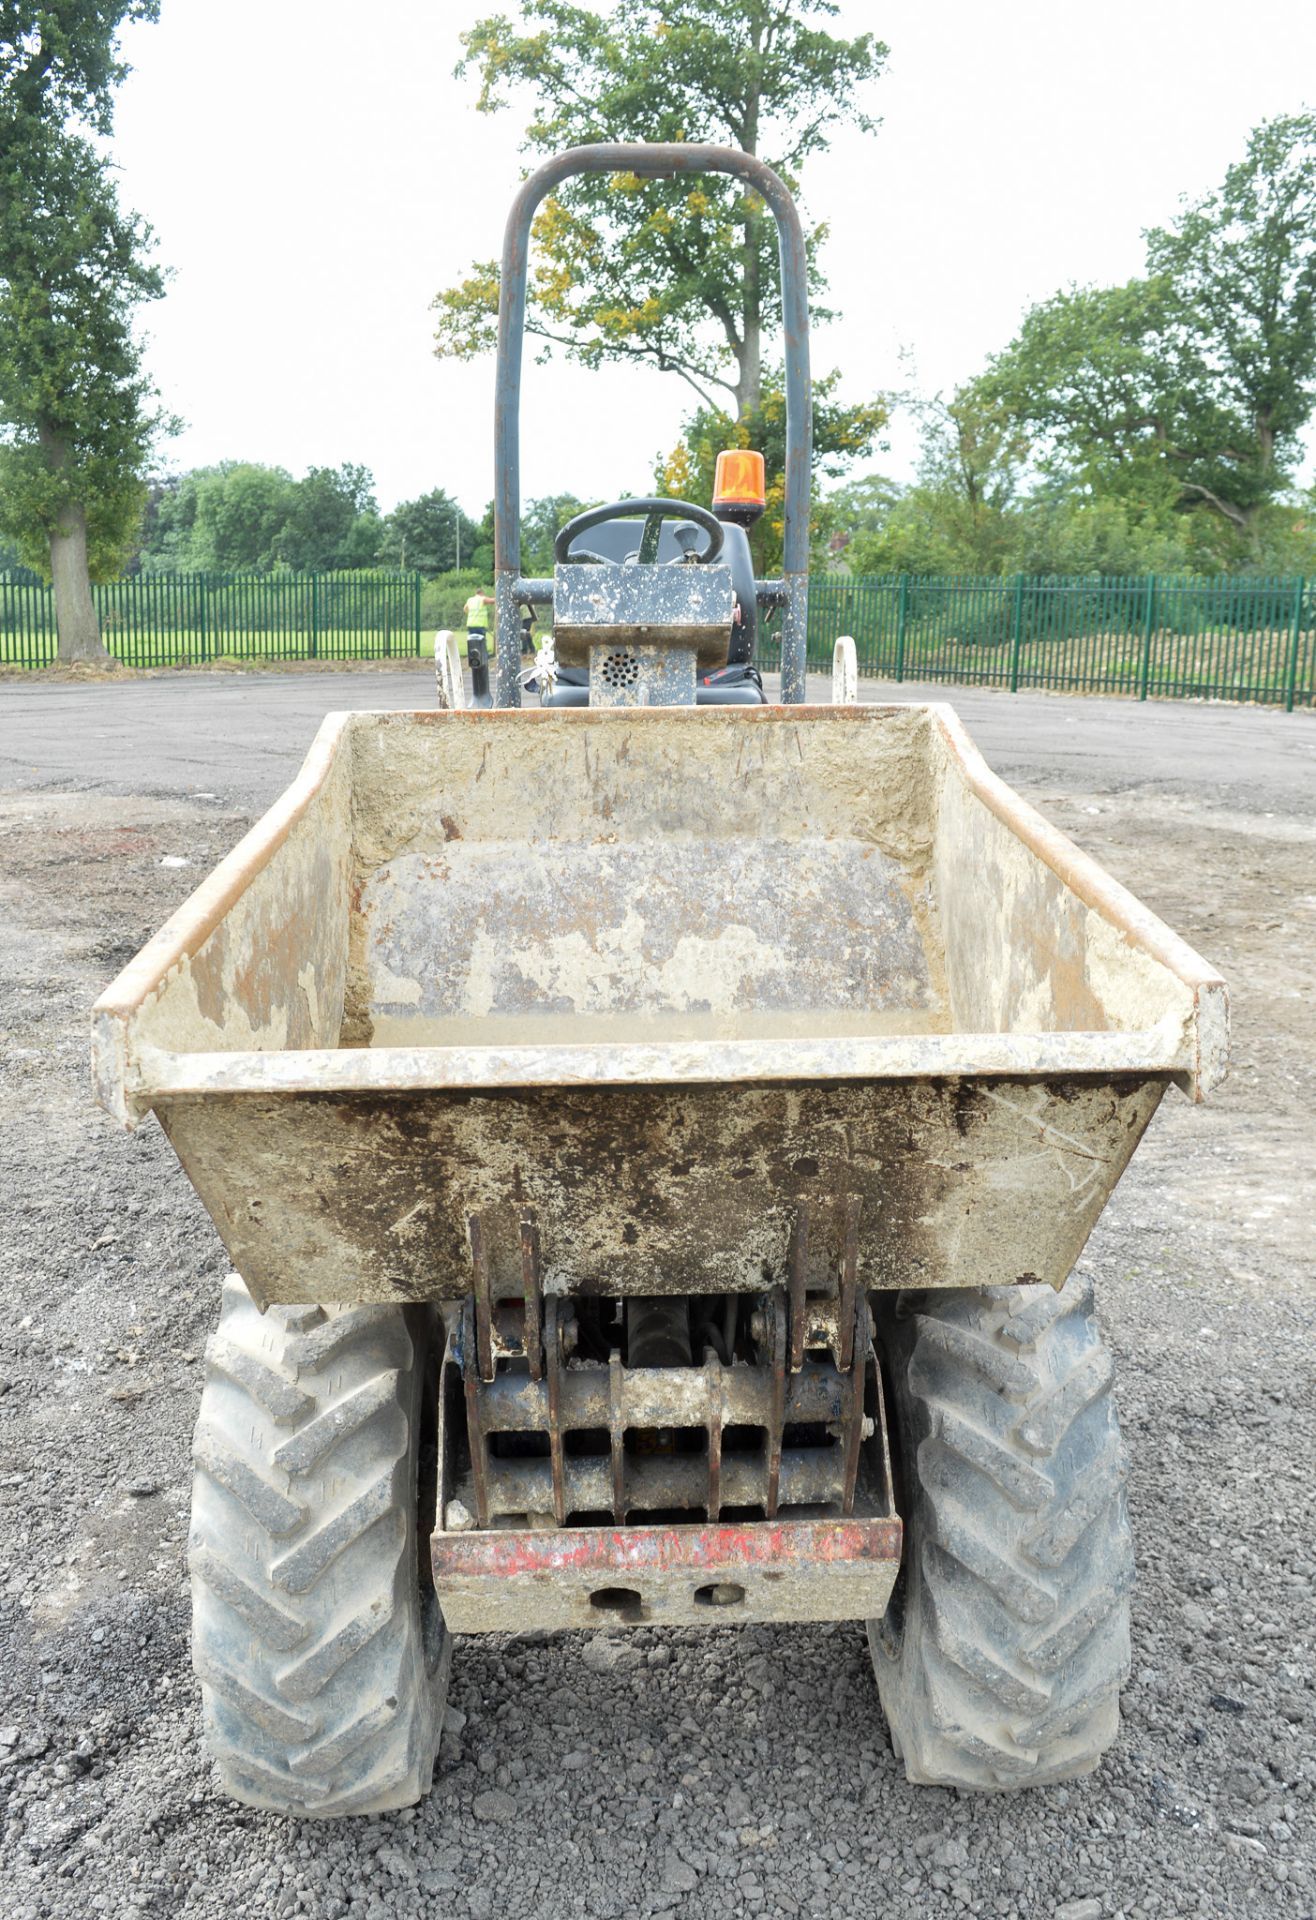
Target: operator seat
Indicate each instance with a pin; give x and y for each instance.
(738, 683)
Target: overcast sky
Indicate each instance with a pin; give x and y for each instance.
(315, 173)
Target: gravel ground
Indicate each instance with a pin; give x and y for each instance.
(716, 1773)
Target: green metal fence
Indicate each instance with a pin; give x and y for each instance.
(179, 619)
(1229, 639)
(1237, 638)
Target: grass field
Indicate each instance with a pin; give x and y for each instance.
(189, 649)
(186, 649)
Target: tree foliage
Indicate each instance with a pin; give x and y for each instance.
(922, 529)
(1186, 389)
(77, 414)
(222, 519)
(239, 517)
(681, 275)
(60, 63)
(431, 533)
(1240, 269)
(841, 435)
(541, 522)
(334, 521)
(1149, 427)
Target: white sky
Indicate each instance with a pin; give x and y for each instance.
(314, 174)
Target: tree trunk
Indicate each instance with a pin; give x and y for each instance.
(75, 614)
(1265, 444)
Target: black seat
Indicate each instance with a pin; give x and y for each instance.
(739, 683)
(738, 686)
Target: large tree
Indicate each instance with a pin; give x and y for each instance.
(241, 510)
(240, 516)
(431, 533)
(77, 419)
(680, 275)
(1240, 267)
(1188, 388)
(333, 521)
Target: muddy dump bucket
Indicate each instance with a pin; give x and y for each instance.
(663, 979)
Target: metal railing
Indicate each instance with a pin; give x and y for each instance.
(184, 619)
(1235, 638)
(653, 160)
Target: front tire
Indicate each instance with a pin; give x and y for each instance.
(1001, 1656)
(316, 1636)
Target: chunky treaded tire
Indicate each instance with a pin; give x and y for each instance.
(1000, 1659)
(322, 1656)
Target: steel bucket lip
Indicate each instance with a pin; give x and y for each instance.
(1146, 1054)
(129, 1077)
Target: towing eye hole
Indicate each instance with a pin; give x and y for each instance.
(623, 1600)
(723, 1593)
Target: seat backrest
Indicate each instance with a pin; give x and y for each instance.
(619, 540)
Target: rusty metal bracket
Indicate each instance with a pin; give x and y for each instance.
(777, 1347)
(617, 1434)
(553, 1344)
(713, 1377)
(483, 1301)
(534, 1296)
(826, 1547)
(861, 1349)
(798, 1272)
(742, 1435)
(849, 1282)
(474, 1428)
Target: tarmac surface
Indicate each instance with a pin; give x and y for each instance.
(140, 735)
(702, 1774)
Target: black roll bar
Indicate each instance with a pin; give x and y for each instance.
(659, 161)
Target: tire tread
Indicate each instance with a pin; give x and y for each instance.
(1014, 1642)
(308, 1629)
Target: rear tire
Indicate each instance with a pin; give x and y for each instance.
(1000, 1658)
(317, 1638)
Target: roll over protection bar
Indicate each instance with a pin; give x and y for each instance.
(659, 161)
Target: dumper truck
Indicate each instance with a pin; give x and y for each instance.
(653, 1132)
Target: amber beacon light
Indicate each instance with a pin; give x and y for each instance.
(739, 492)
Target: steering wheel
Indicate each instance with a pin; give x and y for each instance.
(655, 512)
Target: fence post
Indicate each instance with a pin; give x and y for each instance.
(417, 584)
(1148, 621)
(315, 616)
(201, 614)
(1295, 643)
(902, 617)
(1017, 634)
